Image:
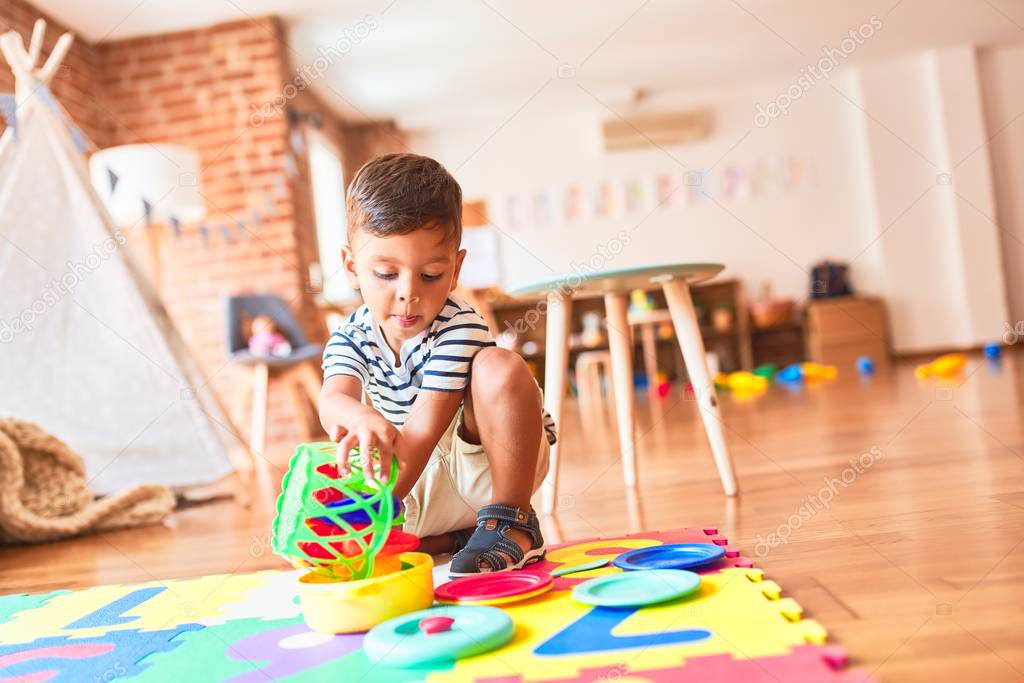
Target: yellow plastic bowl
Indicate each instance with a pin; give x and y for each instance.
(352, 606)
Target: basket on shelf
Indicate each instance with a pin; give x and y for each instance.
(770, 312)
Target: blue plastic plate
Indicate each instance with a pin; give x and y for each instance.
(670, 556)
(633, 589)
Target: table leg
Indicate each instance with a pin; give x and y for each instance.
(680, 305)
(647, 336)
(621, 346)
(556, 369)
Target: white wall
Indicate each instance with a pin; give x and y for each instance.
(767, 238)
(1000, 69)
(937, 253)
(879, 135)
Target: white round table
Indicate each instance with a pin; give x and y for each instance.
(615, 285)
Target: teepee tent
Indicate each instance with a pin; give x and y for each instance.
(87, 351)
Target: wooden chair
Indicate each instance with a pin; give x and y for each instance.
(590, 367)
(296, 370)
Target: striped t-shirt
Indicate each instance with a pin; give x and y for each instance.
(437, 359)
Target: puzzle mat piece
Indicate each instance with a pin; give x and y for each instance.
(275, 600)
(805, 664)
(248, 651)
(744, 615)
(151, 606)
(106, 657)
(358, 667)
(23, 602)
(255, 651)
(579, 552)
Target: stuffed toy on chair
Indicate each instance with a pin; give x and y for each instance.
(266, 340)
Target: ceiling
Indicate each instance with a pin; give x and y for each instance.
(430, 63)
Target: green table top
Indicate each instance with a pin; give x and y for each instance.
(619, 279)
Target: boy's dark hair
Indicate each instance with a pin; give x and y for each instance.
(396, 194)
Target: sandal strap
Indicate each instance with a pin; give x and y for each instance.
(503, 513)
(496, 560)
(514, 517)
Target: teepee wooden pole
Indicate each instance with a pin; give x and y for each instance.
(56, 57)
(35, 45)
(13, 48)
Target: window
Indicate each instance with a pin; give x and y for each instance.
(329, 211)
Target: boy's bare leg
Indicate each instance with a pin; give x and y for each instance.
(502, 410)
(435, 545)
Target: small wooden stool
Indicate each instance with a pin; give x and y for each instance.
(589, 368)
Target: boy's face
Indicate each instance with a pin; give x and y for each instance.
(404, 279)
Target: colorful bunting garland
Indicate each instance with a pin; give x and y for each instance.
(242, 225)
(9, 112)
(639, 195)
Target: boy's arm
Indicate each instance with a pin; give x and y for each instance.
(339, 401)
(351, 424)
(430, 416)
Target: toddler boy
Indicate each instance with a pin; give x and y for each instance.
(463, 417)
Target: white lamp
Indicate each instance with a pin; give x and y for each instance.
(166, 176)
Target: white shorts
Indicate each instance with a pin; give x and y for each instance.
(456, 483)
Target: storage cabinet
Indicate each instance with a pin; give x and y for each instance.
(841, 330)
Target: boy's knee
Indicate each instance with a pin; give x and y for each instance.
(497, 372)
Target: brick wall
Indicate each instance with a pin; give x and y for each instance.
(199, 89)
(75, 84)
(364, 141)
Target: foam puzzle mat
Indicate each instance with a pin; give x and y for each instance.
(248, 627)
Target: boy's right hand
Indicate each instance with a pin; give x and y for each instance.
(369, 430)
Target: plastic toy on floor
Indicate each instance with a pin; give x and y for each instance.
(865, 366)
(817, 371)
(661, 384)
(807, 371)
(742, 381)
(943, 366)
(345, 530)
(439, 634)
(333, 525)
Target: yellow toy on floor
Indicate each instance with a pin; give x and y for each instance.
(943, 366)
(742, 381)
(813, 371)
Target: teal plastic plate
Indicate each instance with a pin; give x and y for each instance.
(474, 630)
(635, 589)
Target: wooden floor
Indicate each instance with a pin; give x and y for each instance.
(916, 565)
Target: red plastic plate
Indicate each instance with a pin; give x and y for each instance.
(493, 586)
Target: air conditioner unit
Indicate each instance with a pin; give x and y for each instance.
(656, 130)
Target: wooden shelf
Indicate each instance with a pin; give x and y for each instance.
(741, 347)
(785, 327)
